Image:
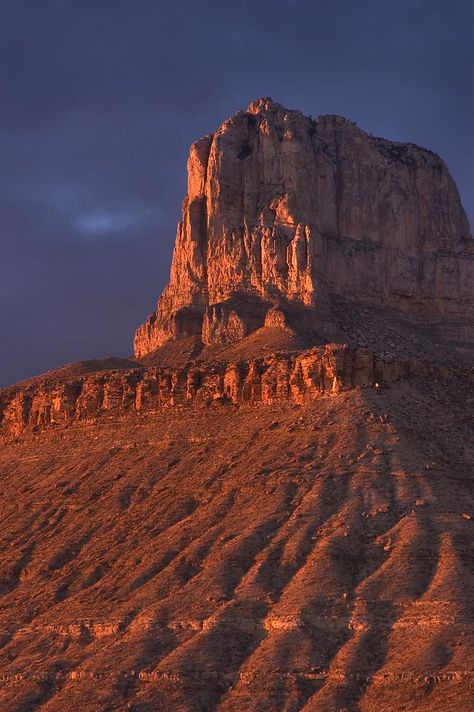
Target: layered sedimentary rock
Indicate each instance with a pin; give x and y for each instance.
(292, 214)
(297, 378)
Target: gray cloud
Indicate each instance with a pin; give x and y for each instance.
(100, 99)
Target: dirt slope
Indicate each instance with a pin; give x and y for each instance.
(312, 558)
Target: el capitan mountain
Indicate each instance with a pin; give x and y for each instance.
(270, 505)
(287, 218)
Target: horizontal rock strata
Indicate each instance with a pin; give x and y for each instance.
(298, 378)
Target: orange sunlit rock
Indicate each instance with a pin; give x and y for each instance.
(270, 507)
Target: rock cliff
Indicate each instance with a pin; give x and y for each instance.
(57, 400)
(287, 219)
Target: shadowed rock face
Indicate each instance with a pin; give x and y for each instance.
(286, 212)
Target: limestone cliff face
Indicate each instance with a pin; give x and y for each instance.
(284, 211)
(52, 401)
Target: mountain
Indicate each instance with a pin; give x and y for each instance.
(270, 506)
(290, 222)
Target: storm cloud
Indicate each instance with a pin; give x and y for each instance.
(100, 99)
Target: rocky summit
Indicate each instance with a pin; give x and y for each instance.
(270, 506)
(287, 220)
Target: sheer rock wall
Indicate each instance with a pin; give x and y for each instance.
(282, 210)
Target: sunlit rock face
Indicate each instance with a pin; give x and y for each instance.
(50, 402)
(289, 212)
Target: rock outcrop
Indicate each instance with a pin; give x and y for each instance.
(55, 401)
(287, 217)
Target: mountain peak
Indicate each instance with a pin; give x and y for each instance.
(294, 224)
(264, 103)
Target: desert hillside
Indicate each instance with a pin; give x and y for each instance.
(226, 557)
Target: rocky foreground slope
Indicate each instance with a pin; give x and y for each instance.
(270, 507)
(312, 557)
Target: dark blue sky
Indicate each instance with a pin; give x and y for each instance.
(100, 99)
